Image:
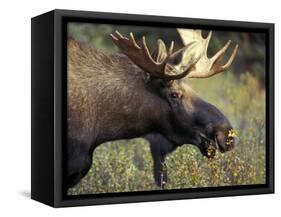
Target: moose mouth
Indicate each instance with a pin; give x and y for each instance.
(209, 147)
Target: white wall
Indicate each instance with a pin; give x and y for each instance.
(15, 106)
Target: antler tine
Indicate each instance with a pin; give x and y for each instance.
(217, 60)
(221, 52)
(230, 60)
(160, 54)
(133, 40)
(207, 41)
(119, 34)
(113, 37)
(170, 51)
(146, 50)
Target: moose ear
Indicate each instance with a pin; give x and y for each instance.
(160, 53)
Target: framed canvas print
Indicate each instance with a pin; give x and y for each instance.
(131, 108)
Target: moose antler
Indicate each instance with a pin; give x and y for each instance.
(161, 64)
(206, 67)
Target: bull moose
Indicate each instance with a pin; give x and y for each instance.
(137, 93)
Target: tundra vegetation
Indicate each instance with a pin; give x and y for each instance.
(126, 165)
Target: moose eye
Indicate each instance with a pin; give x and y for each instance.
(174, 95)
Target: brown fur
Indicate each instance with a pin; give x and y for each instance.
(104, 95)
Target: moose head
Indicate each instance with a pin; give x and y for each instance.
(186, 118)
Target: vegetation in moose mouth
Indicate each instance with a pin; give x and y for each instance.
(126, 165)
(210, 147)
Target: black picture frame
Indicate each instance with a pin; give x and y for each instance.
(48, 37)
